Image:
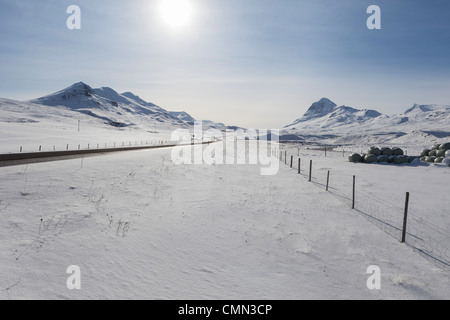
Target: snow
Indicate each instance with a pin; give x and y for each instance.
(140, 227)
(30, 125)
(183, 116)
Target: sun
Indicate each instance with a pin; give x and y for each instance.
(176, 13)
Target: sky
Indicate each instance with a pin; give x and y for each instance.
(250, 63)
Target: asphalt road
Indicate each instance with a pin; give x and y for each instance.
(14, 159)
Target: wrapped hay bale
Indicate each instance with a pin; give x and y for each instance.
(446, 161)
(433, 153)
(385, 151)
(397, 151)
(370, 158)
(374, 151)
(445, 146)
(435, 146)
(383, 159)
(447, 153)
(439, 160)
(400, 159)
(355, 158)
(440, 153)
(422, 159)
(425, 153)
(430, 159)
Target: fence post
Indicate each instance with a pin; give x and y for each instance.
(328, 179)
(20, 149)
(325, 151)
(292, 159)
(299, 162)
(310, 170)
(285, 157)
(354, 185)
(405, 217)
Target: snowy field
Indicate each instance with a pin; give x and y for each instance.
(381, 194)
(28, 127)
(141, 227)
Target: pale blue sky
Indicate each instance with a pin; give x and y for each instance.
(253, 63)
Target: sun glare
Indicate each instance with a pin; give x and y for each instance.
(176, 13)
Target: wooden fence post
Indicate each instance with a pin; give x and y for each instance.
(405, 217)
(328, 179)
(354, 186)
(292, 159)
(299, 162)
(310, 170)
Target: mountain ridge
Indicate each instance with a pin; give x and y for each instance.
(118, 109)
(325, 121)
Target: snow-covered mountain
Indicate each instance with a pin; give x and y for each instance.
(206, 124)
(108, 105)
(119, 109)
(326, 114)
(326, 122)
(183, 116)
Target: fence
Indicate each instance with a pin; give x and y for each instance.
(398, 219)
(90, 146)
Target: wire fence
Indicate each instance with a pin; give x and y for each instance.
(430, 238)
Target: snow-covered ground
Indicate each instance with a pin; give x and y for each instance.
(28, 127)
(141, 227)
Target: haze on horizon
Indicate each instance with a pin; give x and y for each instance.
(252, 63)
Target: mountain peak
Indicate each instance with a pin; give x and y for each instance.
(72, 93)
(320, 108)
(325, 100)
(182, 115)
(79, 87)
(423, 108)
